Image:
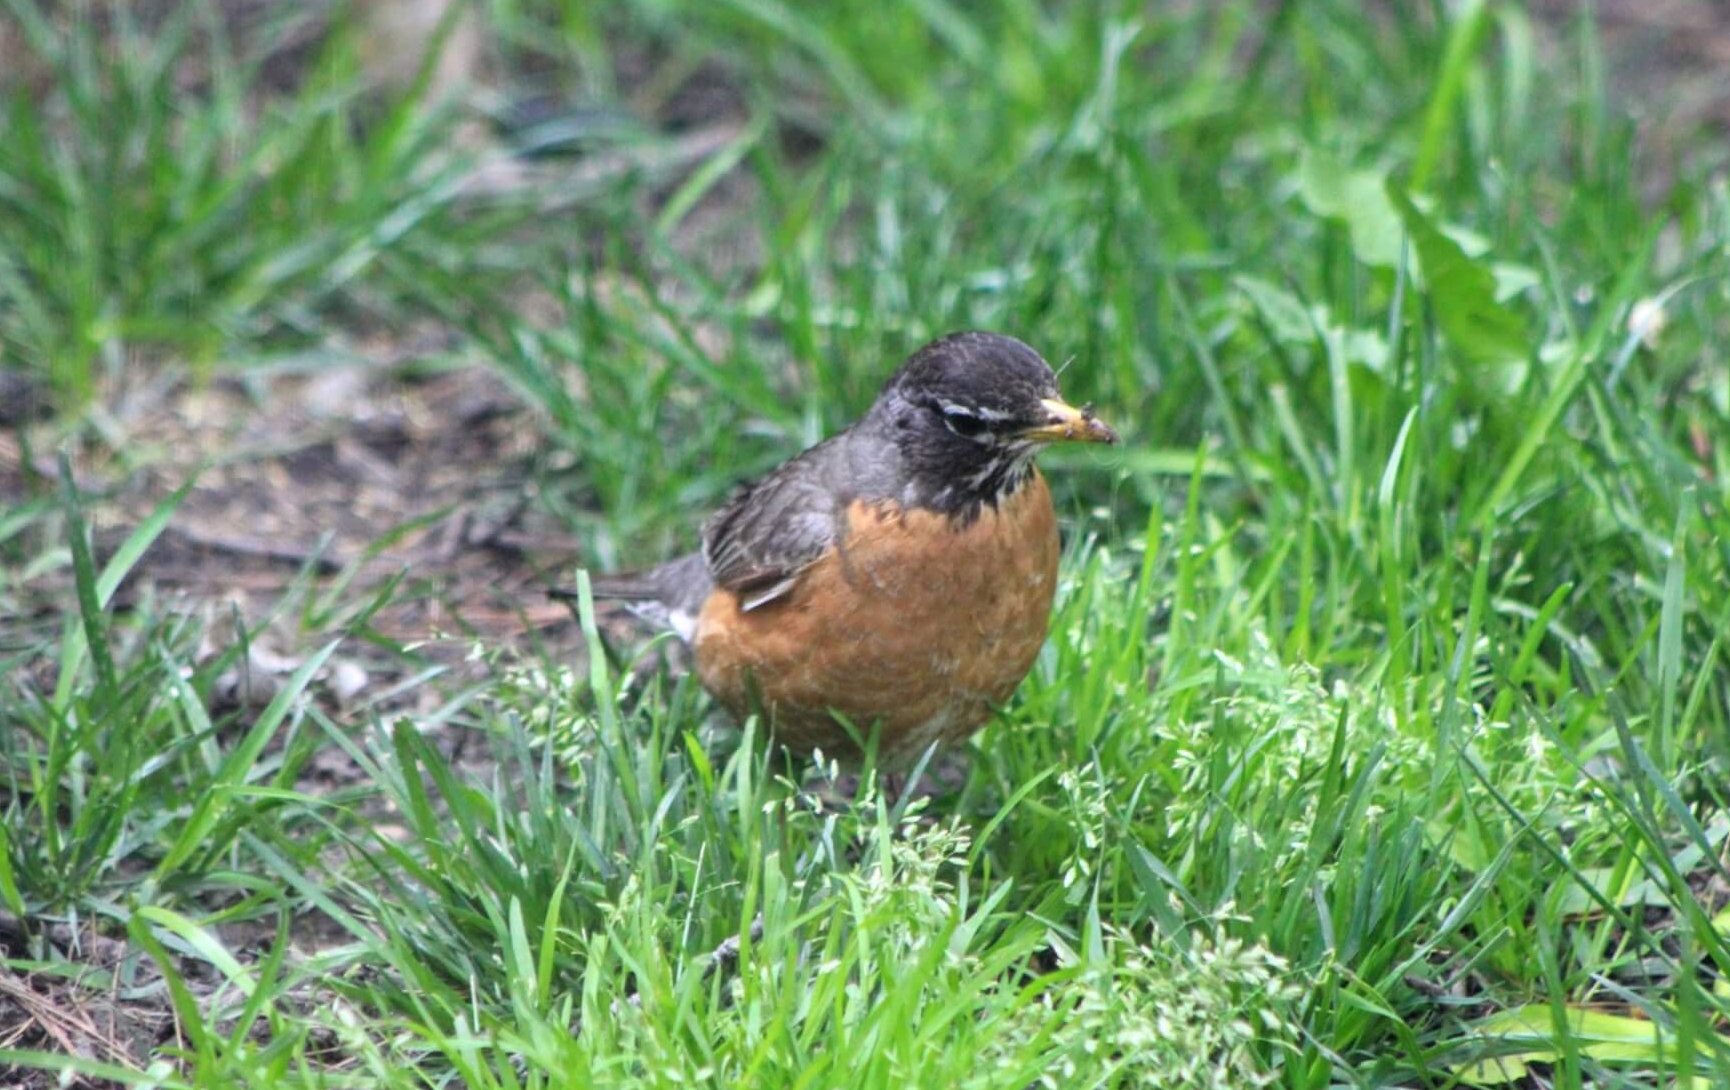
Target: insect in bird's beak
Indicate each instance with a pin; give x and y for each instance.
(1068, 424)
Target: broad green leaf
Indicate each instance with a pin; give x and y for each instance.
(1512, 279)
(1359, 198)
(1598, 1034)
(1463, 292)
(1498, 1070)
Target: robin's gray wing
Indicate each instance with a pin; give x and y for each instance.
(777, 526)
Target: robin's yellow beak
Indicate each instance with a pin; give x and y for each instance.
(1068, 424)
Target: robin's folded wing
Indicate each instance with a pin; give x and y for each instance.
(773, 529)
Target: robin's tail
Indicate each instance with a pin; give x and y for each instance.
(679, 584)
(635, 586)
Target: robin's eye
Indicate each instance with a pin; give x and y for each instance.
(963, 423)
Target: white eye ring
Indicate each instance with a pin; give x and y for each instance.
(974, 412)
(962, 422)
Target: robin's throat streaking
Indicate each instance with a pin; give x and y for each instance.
(980, 479)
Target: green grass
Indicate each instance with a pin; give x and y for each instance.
(1380, 740)
(168, 205)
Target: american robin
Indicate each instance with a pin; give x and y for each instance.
(899, 574)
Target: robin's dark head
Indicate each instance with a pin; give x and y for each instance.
(968, 412)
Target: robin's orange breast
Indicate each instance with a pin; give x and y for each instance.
(919, 622)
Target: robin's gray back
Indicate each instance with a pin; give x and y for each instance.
(773, 528)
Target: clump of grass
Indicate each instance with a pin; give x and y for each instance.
(142, 219)
(115, 787)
